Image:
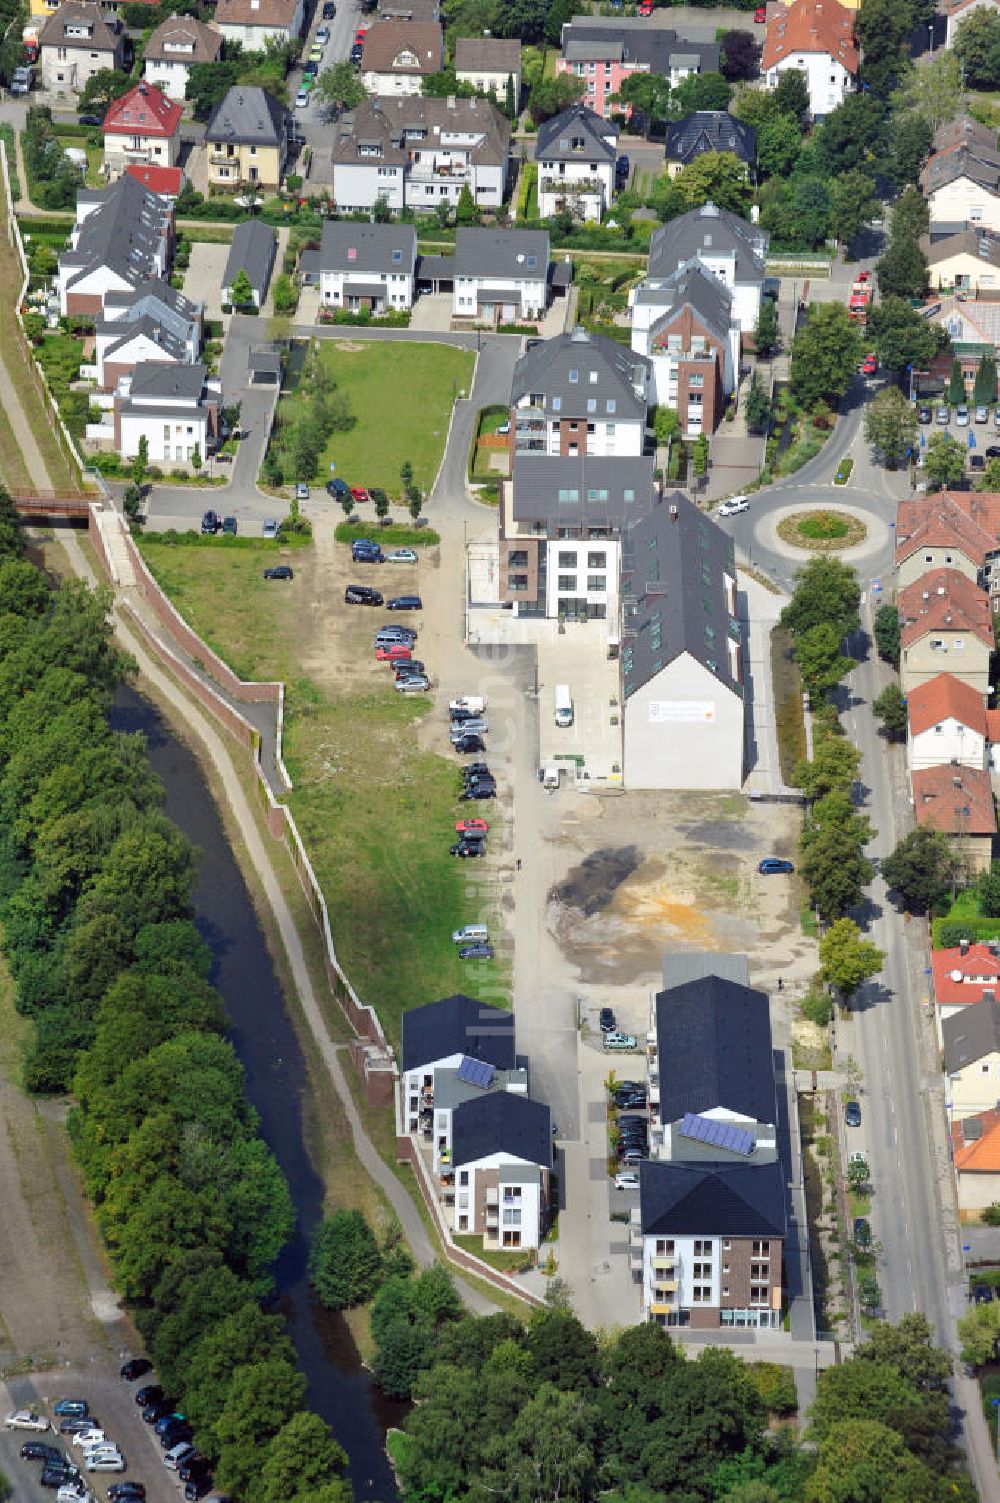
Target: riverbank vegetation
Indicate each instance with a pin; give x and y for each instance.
(95, 904)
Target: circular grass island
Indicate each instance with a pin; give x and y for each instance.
(822, 530)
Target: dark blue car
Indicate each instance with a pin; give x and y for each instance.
(774, 866)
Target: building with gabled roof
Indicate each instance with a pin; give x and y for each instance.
(971, 1039)
(141, 128)
(686, 326)
(605, 53)
(254, 22)
(950, 530)
(682, 653)
(501, 275)
(176, 45)
(975, 1145)
(576, 152)
(489, 64)
(247, 139)
(151, 322)
(815, 37)
(946, 723)
(580, 393)
(502, 1153)
(123, 236)
(730, 249)
(398, 55)
(77, 41)
(709, 130)
(959, 802)
(946, 626)
(965, 975)
(367, 265)
(962, 185)
(174, 406)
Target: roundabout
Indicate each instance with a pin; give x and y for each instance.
(822, 529)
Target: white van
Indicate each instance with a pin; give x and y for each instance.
(472, 934)
(474, 703)
(564, 705)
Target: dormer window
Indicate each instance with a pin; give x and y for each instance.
(397, 257)
(574, 377)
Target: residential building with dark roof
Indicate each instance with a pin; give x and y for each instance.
(682, 652)
(442, 1033)
(141, 128)
(576, 153)
(174, 407)
(946, 722)
(123, 236)
(501, 276)
(814, 37)
(971, 1039)
(252, 23)
(367, 265)
(502, 1158)
(409, 10)
(489, 64)
(418, 152)
(253, 250)
(77, 42)
(174, 48)
(946, 626)
(693, 342)
(149, 322)
(580, 393)
(247, 140)
(962, 186)
(398, 55)
(728, 247)
(967, 260)
(709, 130)
(707, 1237)
(606, 53)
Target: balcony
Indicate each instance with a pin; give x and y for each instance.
(661, 1307)
(424, 172)
(492, 1198)
(635, 1258)
(223, 159)
(665, 1286)
(663, 1264)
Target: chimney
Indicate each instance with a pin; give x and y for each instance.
(963, 947)
(674, 514)
(995, 946)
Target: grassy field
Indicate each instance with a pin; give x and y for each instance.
(401, 394)
(374, 810)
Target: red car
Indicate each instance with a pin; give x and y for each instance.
(358, 493)
(471, 826)
(397, 652)
(870, 365)
(361, 33)
(645, 7)
(760, 15)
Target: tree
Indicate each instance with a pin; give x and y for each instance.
(466, 212)
(956, 384)
(859, 1177)
(909, 148)
(854, 203)
(208, 84)
(241, 289)
(890, 708)
(301, 1458)
(977, 46)
(263, 1396)
(846, 959)
(908, 1346)
(717, 177)
(890, 425)
(778, 144)
(922, 869)
(886, 630)
(767, 336)
(649, 94)
(415, 502)
(864, 1461)
(833, 864)
(979, 1333)
(825, 355)
(550, 96)
(381, 212)
(984, 392)
(103, 88)
(826, 592)
(286, 298)
(932, 88)
(444, 85)
(756, 107)
(666, 425)
(546, 1454)
(739, 56)
(406, 474)
(902, 336)
(850, 135)
(944, 460)
(834, 764)
(902, 269)
(140, 462)
(988, 891)
(817, 652)
(758, 406)
(910, 217)
(702, 91)
(792, 93)
(990, 477)
(883, 28)
(344, 1261)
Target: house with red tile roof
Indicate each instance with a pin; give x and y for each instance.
(964, 975)
(950, 530)
(946, 722)
(975, 1144)
(142, 128)
(817, 38)
(946, 626)
(959, 802)
(166, 181)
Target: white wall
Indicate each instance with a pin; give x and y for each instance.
(525, 1215)
(187, 429)
(168, 74)
(950, 741)
(580, 550)
(683, 1261)
(465, 296)
(336, 286)
(684, 729)
(963, 201)
(395, 84)
(829, 81)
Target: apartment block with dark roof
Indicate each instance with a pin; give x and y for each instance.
(174, 407)
(150, 322)
(729, 248)
(123, 236)
(971, 1038)
(693, 341)
(709, 130)
(576, 152)
(247, 139)
(580, 394)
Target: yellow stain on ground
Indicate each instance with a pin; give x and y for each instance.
(659, 904)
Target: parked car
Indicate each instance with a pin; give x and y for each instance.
(196, 1465)
(269, 529)
(466, 746)
(356, 52)
(474, 727)
(358, 594)
(606, 1020)
(399, 652)
(760, 15)
(210, 523)
(734, 506)
(982, 414)
(862, 1231)
(91, 117)
(197, 1487)
(74, 1491)
(775, 866)
(76, 1423)
(392, 633)
(469, 827)
(323, 35)
(22, 80)
(122, 1490)
(467, 848)
(404, 603)
(962, 417)
(401, 556)
(329, 10)
(57, 1476)
(105, 1461)
(418, 683)
(86, 1438)
(475, 770)
(477, 791)
(301, 98)
(279, 571)
(150, 1393)
(993, 451)
(359, 493)
(337, 488)
(924, 415)
(943, 416)
(26, 1419)
(476, 952)
(156, 1411)
(38, 1450)
(366, 551)
(616, 1040)
(977, 462)
(852, 1114)
(627, 1179)
(167, 1420)
(869, 365)
(408, 667)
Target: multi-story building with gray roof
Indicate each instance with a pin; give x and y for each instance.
(367, 265)
(685, 325)
(576, 152)
(123, 236)
(501, 276)
(728, 247)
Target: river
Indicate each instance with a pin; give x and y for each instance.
(276, 1079)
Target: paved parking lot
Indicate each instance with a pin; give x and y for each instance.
(983, 435)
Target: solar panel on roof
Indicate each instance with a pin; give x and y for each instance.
(475, 1072)
(718, 1134)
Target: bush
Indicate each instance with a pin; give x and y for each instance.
(776, 1386)
(393, 319)
(817, 1007)
(344, 1263)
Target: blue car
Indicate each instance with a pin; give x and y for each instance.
(773, 866)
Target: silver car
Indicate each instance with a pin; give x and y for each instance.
(401, 556)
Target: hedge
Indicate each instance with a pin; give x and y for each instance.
(396, 534)
(947, 932)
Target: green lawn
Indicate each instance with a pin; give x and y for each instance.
(376, 813)
(401, 394)
(95, 157)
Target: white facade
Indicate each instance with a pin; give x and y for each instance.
(518, 1199)
(253, 34)
(489, 82)
(719, 263)
(668, 1264)
(829, 81)
(605, 437)
(557, 180)
(583, 569)
(436, 174)
(416, 1082)
(963, 201)
(949, 741)
(168, 74)
(172, 438)
(470, 292)
(400, 83)
(69, 68)
(140, 347)
(684, 728)
(335, 288)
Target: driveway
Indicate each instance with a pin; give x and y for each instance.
(203, 278)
